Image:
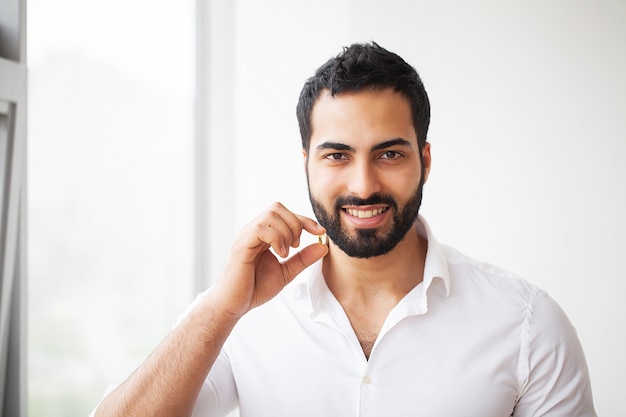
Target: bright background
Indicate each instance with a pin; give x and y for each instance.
(110, 176)
(528, 134)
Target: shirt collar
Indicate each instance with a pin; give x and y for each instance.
(436, 266)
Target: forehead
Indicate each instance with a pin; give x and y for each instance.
(366, 117)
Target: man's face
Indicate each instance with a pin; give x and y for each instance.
(364, 170)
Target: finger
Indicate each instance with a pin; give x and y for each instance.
(286, 222)
(303, 259)
(277, 227)
(277, 235)
(296, 223)
(310, 225)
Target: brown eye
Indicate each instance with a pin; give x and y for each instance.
(335, 156)
(391, 155)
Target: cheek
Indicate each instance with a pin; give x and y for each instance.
(399, 183)
(322, 193)
(324, 184)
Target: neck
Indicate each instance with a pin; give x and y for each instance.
(389, 276)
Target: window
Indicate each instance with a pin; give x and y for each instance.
(12, 209)
(110, 210)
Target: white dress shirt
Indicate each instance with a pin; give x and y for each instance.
(471, 340)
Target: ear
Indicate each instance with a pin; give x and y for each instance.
(304, 158)
(426, 160)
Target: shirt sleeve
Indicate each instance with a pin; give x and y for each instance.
(218, 396)
(556, 379)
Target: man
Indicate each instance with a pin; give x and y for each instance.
(385, 321)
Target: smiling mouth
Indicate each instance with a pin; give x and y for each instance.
(365, 214)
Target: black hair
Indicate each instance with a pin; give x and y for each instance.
(360, 67)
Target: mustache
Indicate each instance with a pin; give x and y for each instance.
(377, 198)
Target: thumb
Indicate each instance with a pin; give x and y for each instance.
(301, 260)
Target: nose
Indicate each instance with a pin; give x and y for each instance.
(363, 180)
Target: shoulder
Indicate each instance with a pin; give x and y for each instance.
(543, 318)
(468, 274)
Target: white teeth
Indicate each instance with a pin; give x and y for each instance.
(365, 214)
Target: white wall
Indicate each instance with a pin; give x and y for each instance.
(528, 130)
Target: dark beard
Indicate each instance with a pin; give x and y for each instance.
(369, 242)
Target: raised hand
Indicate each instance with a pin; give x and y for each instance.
(253, 274)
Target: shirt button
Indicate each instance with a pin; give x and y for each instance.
(367, 380)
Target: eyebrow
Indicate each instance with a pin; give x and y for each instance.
(383, 145)
(390, 143)
(336, 146)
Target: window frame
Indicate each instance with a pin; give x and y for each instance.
(13, 94)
